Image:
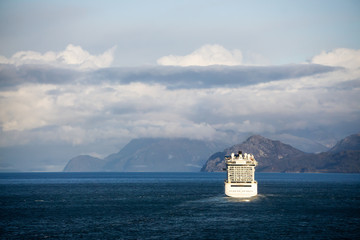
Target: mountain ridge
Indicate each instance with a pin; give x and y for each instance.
(84, 163)
(155, 155)
(275, 156)
(182, 154)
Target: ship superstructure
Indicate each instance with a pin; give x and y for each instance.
(240, 180)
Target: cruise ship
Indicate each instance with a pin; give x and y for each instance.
(240, 182)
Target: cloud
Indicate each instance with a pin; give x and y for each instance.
(73, 56)
(106, 105)
(343, 57)
(209, 77)
(205, 56)
(105, 108)
(168, 76)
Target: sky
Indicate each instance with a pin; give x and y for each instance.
(86, 77)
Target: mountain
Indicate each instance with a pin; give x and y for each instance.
(350, 143)
(274, 156)
(84, 163)
(303, 144)
(175, 155)
(151, 155)
(161, 155)
(271, 155)
(343, 157)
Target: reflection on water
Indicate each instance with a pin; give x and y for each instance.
(223, 199)
(250, 199)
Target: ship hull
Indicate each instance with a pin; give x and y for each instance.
(241, 190)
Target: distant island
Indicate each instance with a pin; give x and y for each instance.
(186, 155)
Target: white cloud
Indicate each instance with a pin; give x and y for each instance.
(26, 108)
(73, 56)
(205, 56)
(67, 112)
(342, 57)
(107, 108)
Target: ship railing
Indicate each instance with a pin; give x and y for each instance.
(227, 181)
(247, 162)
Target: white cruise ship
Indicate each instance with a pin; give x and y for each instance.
(240, 182)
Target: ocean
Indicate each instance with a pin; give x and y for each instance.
(177, 206)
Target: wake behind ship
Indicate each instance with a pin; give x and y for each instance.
(240, 182)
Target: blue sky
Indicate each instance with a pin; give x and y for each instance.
(281, 31)
(86, 77)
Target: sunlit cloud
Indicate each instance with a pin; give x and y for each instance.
(205, 56)
(73, 56)
(343, 57)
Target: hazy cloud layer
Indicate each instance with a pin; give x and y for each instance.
(169, 77)
(73, 56)
(46, 104)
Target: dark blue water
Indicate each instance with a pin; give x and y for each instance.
(177, 206)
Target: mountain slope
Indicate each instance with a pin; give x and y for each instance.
(303, 144)
(271, 155)
(343, 157)
(150, 155)
(84, 163)
(175, 155)
(351, 142)
(274, 156)
(161, 155)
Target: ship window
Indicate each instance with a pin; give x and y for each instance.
(241, 173)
